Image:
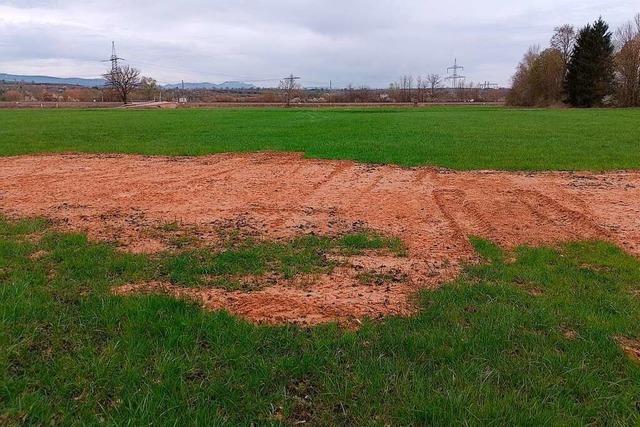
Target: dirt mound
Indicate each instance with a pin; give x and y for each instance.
(131, 199)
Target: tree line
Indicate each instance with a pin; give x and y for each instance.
(425, 88)
(582, 68)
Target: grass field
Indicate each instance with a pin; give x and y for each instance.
(530, 341)
(534, 336)
(453, 137)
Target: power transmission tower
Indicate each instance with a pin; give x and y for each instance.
(114, 58)
(489, 85)
(455, 77)
(182, 98)
(291, 79)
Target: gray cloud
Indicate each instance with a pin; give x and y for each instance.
(347, 41)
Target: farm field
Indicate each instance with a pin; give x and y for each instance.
(453, 137)
(353, 282)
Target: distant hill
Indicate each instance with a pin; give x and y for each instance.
(206, 85)
(52, 80)
(100, 82)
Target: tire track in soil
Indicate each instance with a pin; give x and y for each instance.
(567, 221)
(278, 220)
(464, 215)
(331, 177)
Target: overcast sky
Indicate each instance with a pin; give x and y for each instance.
(369, 42)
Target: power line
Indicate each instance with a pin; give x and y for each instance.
(195, 71)
(233, 77)
(230, 77)
(331, 84)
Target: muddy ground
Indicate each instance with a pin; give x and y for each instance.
(131, 199)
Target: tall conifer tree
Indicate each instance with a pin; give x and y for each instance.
(590, 76)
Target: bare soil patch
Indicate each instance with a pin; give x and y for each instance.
(150, 204)
(630, 347)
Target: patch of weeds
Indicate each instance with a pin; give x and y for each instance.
(356, 243)
(379, 278)
(182, 241)
(22, 227)
(174, 235)
(170, 227)
(231, 237)
(258, 259)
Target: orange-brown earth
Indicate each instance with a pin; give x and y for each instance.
(128, 199)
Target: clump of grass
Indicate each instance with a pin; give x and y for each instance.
(381, 278)
(181, 241)
(357, 242)
(168, 227)
(487, 250)
(22, 227)
(175, 235)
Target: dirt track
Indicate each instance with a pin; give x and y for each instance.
(128, 198)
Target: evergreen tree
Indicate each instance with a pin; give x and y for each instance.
(590, 76)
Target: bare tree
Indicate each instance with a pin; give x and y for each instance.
(434, 81)
(406, 88)
(394, 91)
(564, 38)
(521, 93)
(124, 80)
(363, 94)
(289, 87)
(546, 78)
(538, 79)
(422, 84)
(627, 63)
(350, 93)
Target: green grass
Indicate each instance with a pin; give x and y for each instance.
(482, 350)
(454, 137)
(303, 255)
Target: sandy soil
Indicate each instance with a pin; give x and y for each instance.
(128, 199)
